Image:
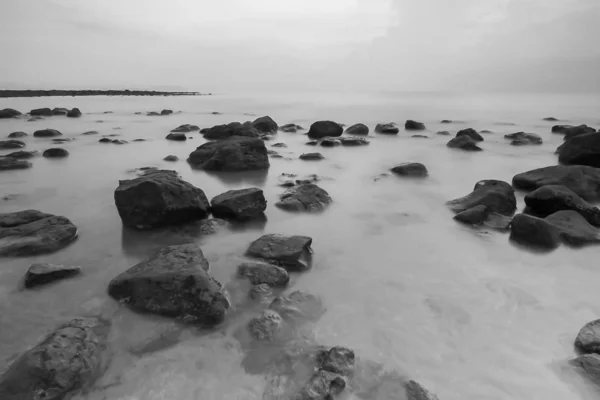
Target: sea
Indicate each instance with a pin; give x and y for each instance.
(461, 310)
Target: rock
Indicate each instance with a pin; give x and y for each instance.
(298, 307)
(55, 152)
(180, 137)
(588, 338)
(389, 128)
(175, 283)
(47, 133)
(220, 132)
(574, 131)
(473, 216)
(33, 119)
(22, 155)
(420, 136)
(410, 169)
(279, 145)
(159, 198)
(552, 119)
(353, 141)
(16, 135)
(11, 144)
(339, 360)
(41, 112)
(42, 274)
(234, 154)
(166, 112)
(262, 273)
(105, 140)
(171, 158)
(470, 132)
(60, 111)
(153, 114)
(312, 143)
(445, 121)
(486, 131)
(186, 128)
(74, 113)
(291, 128)
(411, 125)
(561, 128)
(265, 125)
(567, 227)
(322, 385)
(583, 180)
(119, 141)
(464, 143)
(31, 232)
(311, 156)
(10, 163)
(290, 252)
(443, 133)
(242, 204)
(496, 196)
(553, 198)
(90, 133)
(321, 129)
(330, 142)
(522, 138)
(9, 113)
(358, 129)
(304, 198)
(62, 140)
(414, 391)
(589, 365)
(265, 327)
(69, 360)
(581, 150)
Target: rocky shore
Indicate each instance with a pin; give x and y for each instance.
(91, 92)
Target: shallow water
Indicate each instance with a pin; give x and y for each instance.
(462, 311)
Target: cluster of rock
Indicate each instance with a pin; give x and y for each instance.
(158, 114)
(47, 112)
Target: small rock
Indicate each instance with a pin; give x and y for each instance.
(473, 216)
(470, 132)
(445, 121)
(46, 133)
(522, 138)
(186, 128)
(353, 141)
(9, 113)
(55, 152)
(389, 128)
(410, 169)
(105, 140)
(304, 198)
(166, 112)
(291, 128)
(11, 144)
(311, 156)
(420, 136)
(265, 125)
(177, 137)
(552, 119)
(265, 327)
(330, 142)
(289, 252)
(464, 143)
(411, 125)
(41, 274)
(262, 273)
(486, 131)
(242, 204)
(171, 158)
(60, 111)
(233, 129)
(90, 133)
(279, 145)
(339, 360)
(321, 129)
(74, 113)
(358, 129)
(312, 143)
(119, 141)
(16, 135)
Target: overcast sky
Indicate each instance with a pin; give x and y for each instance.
(229, 45)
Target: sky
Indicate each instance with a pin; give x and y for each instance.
(284, 45)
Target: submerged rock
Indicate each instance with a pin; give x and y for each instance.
(411, 125)
(307, 198)
(41, 112)
(16, 135)
(175, 283)
(321, 129)
(496, 196)
(420, 136)
(464, 143)
(470, 132)
(242, 204)
(279, 145)
(159, 198)
(330, 142)
(358, 129)
(410, 169)
(291, 128)
(74, 113)
(42, 274)
(11, 163)
(220, 132)
(443, 133)
(9, 113)
(353, 141)
(522, 138)
(234, 154)
(311, 156)
(552, 119)
(22, 154)
(298, 307)
(581, 150)
(290, 252)
(388, 128)
(180, 137)
(263, 273)
(46, 133)
(553, 198)
(265, 125)
(588, 338)
(583, 180)
(185, 128)
(266, 327)
(589, 365)
(11, 144)
(55, 152)
(90, 133)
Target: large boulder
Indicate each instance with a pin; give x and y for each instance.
(241, 204)
(67, 361)
(410, 169)
(553, 198)
(220, 132)
(387, 128)
(561, 128)
(307, 197)
(159, 198)
(583, 180)
(42, 274)
(46, 133)
(177, 136)
(470, 132)
(589, 365)
(263, 273)
(31, 232)
(55, 152)
(496, 196)
(321, 129)
(358, 129)
(17, 135)
(175, 283)
(581, 150)
(290, 252)
(588, 338)
(265, 125)
(522, 138)
(41, 112)
(235, 154)
(10, 163)
(464, 143)
(9, 113)
(11, 144)
(411, 125)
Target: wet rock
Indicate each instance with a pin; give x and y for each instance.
(105, 140)
(171, 158)
(358, 129)
(291, 128)
(464, 143)
(180, 137)
(266, 137)
(11, 144)
(46, 133)
(443, 133)
(298, 307)
(175, 283)
(62, 140)
(486, 131)
(311, 156)
(581, 150)
(242, 204)
(33, 119)
(9, 113)
(289, 252)
(553, 198)
(473, 216)
(186, 128)
(411, 125)
(152, 114)
(470, 132)
(59, 111)
(90, 133)
(55, 152)
(389, 128)
(552, 119)
(234, 154)
(265, 327)
(41, 112)
(31, 232)
(588, 338)
(265, 125)
(74, 113)
(567, 227)
(574, 131)
(583, 180)
(410, 169)
(159, 198)
(323, 385)
(16, 135)
(522, 138)
(220, 132)
(262, 273)
(166, 112)
(22, 155)
(42, 274)
(304, 198)
(322, 129)
(330, 142)
(66, 362)
(496, 196)
(10, 163)
(589, 365)
(139, 140)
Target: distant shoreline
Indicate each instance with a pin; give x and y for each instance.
(75, 93)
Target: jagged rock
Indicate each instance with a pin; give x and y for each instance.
(9, 113)
(588, 338)
(589, 365)
(321, 129)
(159, 198)
(496, 196)
(22, 155)
(410, 169)
(358, 129)
(242, 204)
(311, 156)
(470, 132)
(74, 113)
(583, 180)
(232, 129)
(41, 112)
(464, 143)
(234, 154)
(180, 137)
(171, 158)
(55, 152)
(411, 125)
(47, 133)
(11, 144)
(263, 273)
(16, 135)
(10, 163)
(175, 283)
(522, 138)
(553, 198)
(289, 252)
(185, 128)
(291, 128)
(306, 197)
(41, 274)
(581, 150)
(389, 128)
(265, 125)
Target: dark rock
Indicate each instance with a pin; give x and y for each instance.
(443, 133)
(588, 338)
(32, 232)
(445, 121)
(279, 145)
(323, 385)
(220, 132)
(41, 112)
(55, 152)
(497, 196)
(389, 128)
(411, 125)
(470, 132)
(486, 131)
(420, 136)
(105, 140)
(552, 119)
(464, 143)
(589, 365)
(353, 141)
(22, 155)
(47, 133)
(90, 133)
(311, 156)
(186, 128)
(266, 137)
(312, 143)
(291, 128)
(234, 154)
(561, 128)
(553, 198)
(62, 140)
(66, 362)
(581, 150)
(16, 135)
(242, 204)
(266, 327)
(139, 140)
(153, 114)
(180, 137)
(119, 141)
(290, 252)
(306, 197)
(414, 391)
(522, 138)
(265, 125)
(41, 274)
(583, 180)
(159, 198)
(410, 169)
(9, 113)
(60, 111)
(11, 144)
(33, 119)
(217, 113)
(574, 131)
(358, 129)
(298, 307)
(166, 112)
(74, 113)
(473, 216)
(171, 158)
(330, 142)
(175, 283)
(262, 273)
(497, 221)
(10, 163)
(321, 129)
